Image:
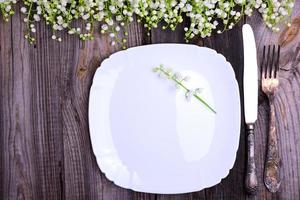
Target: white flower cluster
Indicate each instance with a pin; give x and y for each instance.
(274, 11)
(6, 8)
(114, 16)
(179, 82)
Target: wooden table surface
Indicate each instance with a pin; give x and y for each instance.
(45, 147)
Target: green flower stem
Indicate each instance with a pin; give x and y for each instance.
(186, 89)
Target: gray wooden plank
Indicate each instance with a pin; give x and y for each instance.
(143, 196)
(8, 176)
(32, 141)
(287, 104)
(187, 196)
(42, 108)
(167, 36)
(83, 179)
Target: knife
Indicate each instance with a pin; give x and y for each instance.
(250, 104)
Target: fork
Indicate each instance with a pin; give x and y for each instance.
(270, 82)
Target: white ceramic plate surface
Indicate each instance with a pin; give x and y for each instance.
(147, 137)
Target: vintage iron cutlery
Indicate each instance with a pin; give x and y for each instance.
(250, 104)
(270, 82)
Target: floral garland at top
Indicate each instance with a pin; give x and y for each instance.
(204, 15)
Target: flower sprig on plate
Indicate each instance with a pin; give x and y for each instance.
(114, 16)
(180, 83)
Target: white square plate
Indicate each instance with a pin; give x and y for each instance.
(147, 137)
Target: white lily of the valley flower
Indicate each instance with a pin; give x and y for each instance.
(188, 95)
(202, 14)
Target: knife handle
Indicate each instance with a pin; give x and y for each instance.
(272, 177)
(251, 178)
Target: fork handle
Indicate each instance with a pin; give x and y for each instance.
(272, 176)
(251, 178)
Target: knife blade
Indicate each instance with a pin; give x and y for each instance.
(250, 75)
(250, 104)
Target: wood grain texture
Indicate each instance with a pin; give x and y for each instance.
(287, 104)
(7, 167)
(44, 137)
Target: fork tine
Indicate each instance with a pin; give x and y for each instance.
(273, 63)
(262, 64)
(267, 63)
(277, 62)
